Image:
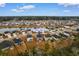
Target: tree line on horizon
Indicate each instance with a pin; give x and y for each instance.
(16, 18)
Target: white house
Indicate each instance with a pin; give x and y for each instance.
(23, 33)
(39, 36)
(29, 37)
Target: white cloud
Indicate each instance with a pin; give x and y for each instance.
(68, 4)
(2, 4)
(66, 10)
(17, 10)
(23, 8)
(27, 7)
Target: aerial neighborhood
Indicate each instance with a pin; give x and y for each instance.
(24, 36)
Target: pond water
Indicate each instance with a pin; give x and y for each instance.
(32, 29)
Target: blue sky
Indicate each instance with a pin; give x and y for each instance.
(39, 9)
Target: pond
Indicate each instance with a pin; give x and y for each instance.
(32, 29)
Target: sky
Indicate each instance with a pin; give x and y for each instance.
(39, 9)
